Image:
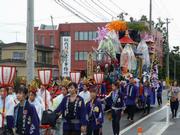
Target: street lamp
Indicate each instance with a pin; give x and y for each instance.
(45, 76)
(75, 76)
(7, 74)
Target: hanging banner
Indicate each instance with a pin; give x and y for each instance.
(66, 55)
(90, 65)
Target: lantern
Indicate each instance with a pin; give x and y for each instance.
(7, 74)
(98, 77)
(75, 77)
(45, 76)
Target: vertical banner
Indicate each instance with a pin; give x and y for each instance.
(66, 55)
(90, 65)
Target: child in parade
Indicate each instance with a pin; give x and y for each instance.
(85, 94)
(44, 94)
(131, 95)
(38, 105)
(56, 101)
(26, 117)
(7, 124)
(95, 113)
(147, 97)
(116, 101)
(73, 111)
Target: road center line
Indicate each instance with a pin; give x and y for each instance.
(139, 121)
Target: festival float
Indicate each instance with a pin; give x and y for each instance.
(124, 52)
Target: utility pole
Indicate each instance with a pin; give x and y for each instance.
(174, 69)
(167, 58)
(30, 41)
(150, 16)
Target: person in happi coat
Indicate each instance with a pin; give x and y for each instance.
(56, 101)
(131, 95)
(73, 111)
(159, 93)
(173, 95)
(85, 94)
(147, 91)
(26, 118)
(44, 94)
(95, 113)
(34, 101)
(116, 100)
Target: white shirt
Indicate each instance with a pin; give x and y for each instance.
(56, 101)
(9, 107)
(41, 94)
(39, 107)
(85, 96)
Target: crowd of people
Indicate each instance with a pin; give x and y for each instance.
(78, 109)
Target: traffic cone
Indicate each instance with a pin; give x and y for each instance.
(140, 131)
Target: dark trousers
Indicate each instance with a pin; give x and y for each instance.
(147, 108)
(71, 133)
(116, 116)
(131, 111)
(90, 131)
(174, 107)
(159, 99)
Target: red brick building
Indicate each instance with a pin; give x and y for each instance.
(82, 37)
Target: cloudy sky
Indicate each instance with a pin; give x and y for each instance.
(13, 14)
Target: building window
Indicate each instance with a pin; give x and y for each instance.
(18, 55)
(85, 55)
(85, 36)
(51, 41)
(42, 40)
(76, 35)
(94, 35)
(64, 33)
(81, 56)
(76, 55)
(81, 37)
(90, 35)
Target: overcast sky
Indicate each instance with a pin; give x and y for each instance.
(13, 14)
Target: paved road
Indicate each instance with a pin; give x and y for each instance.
(147, 123)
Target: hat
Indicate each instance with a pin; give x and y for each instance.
(65, 82)
(86, 81)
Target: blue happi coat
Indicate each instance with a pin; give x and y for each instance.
(131, 94)
(31, 121)
(78, 116)
(159, 90)
(147, 94)
(95, 114)
(116, 100)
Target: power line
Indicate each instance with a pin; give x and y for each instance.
(106, 7)
(87, 9)
(64, 3)
(96, 4)
(65, 7)
(94, 9)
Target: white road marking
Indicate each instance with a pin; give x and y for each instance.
(139, 121)
(158, 128)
